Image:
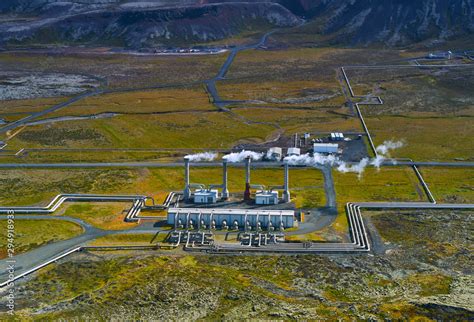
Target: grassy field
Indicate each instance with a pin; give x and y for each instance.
(121, 71)
(423, 138)
(302, 64)
(27, 187)
(184, 130)
(101, 215)
(51, 156)
(28, 106)
(293, 121)
(30, 234)
(444, 92)
(141, 102)
(129, 240)
(454, 185)
(291, 93)
(386, 184)
(313, 237)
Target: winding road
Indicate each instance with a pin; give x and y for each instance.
(211, 83)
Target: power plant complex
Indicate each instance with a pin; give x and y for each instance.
(206, 207)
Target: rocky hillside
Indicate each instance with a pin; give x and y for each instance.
(139, 24)
(150, 23)
(391, 22)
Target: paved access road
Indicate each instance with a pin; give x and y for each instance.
(211, 83)
(33, 116)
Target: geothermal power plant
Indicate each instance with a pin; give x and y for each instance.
(211, 207)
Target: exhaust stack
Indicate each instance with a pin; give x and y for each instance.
(286, 189)
(225, 190)
(247, 179)
(187, 190)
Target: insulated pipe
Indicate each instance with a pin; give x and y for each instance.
(286, 189)
(187, 190)
(247, 179)
(225, 190)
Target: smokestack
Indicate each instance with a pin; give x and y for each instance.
(225, 191)
(247, 179)
(187, 191)
(286, 184)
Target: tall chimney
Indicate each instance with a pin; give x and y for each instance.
(286, 184)
(225, 190)
(247, 179)
(187, 190)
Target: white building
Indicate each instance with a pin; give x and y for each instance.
(275, 153)
(206, 196)
(294, 151)
(325, 148)
(337, 136)
(266, 197)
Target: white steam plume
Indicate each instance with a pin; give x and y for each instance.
(357, 168)
(242, 155)
(204, 156)
(306, 159)
(383, 152)
(342, 166)
(386, 146)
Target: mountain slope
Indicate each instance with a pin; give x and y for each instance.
(150, 23)
(391, 22)
(138, 25)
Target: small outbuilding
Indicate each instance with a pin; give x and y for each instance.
(275, 153)
(206, 196)
(294, 151)
(337, 136)
(266, 197)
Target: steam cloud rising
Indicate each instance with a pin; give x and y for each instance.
(310, 160)
(341, 166)
(205, 156)
(242, 155)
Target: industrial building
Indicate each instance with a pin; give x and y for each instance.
(275, 153)
(266, 197)
(248, 219)
(325, 148)
(337, 136)
(441, 55)
(206, 196)
(294, 151)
